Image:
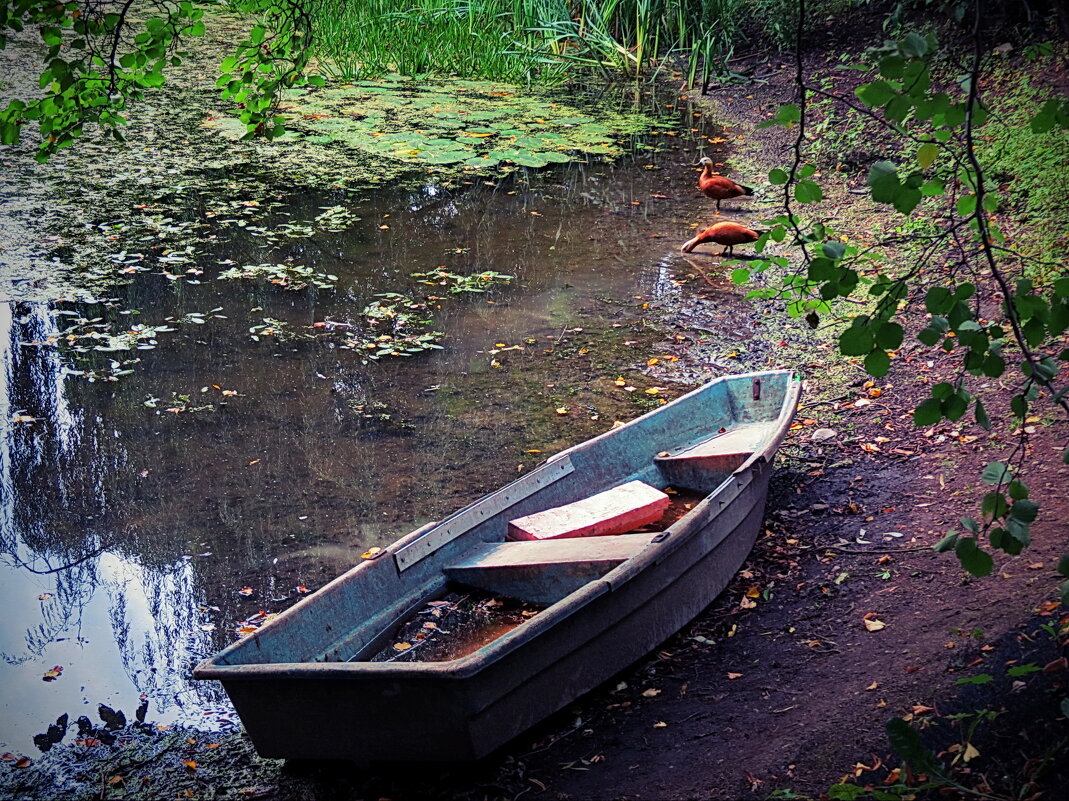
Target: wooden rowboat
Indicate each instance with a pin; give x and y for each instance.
(307, 684)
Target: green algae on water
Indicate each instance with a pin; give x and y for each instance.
(463, 124)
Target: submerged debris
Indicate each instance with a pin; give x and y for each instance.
(455, 626)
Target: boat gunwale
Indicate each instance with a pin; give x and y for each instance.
(473, 663)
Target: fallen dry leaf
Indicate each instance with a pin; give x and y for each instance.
(734, 675)
(660, 724)
(53, 674)
(245, 591)
(651, 692)
(872, 686)
(874, 624)
(189, 763)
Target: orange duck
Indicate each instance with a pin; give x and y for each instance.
(727, 234)
(718, 187)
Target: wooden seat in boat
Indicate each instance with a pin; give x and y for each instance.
(543, 571)
(615, 511)
(703, 465)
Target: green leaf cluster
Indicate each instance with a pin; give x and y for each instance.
(940, 128)
(1008, 514)
(96, 62)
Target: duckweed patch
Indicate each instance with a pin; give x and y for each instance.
(293, 277)
(333, 219)
(84, 339)
(279, 330)
(458, 284)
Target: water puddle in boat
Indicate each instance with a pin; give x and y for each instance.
(465, 620)
(454, 626)
(681, 501)
(147, 522)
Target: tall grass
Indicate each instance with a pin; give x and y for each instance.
(520, 41)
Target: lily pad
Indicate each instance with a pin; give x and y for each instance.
(478, 125)
(451, 157)
(556, 157)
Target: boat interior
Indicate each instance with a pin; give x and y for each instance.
(546, 556)
(567, 524)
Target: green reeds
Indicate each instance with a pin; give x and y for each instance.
(518, 41)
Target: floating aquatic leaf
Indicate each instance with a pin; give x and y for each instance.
(409, 123)
(449, 157)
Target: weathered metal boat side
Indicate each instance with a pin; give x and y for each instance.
(302, 684)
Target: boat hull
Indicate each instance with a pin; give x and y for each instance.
(463, 710)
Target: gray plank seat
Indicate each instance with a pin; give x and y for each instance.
(544, 571)
(704, 465)
(553, 553)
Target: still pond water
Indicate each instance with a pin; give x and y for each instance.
(135, 541)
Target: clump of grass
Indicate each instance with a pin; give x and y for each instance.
(520, 41)
(1029, 166)
(463, 38)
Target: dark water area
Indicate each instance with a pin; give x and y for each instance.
(136, 541)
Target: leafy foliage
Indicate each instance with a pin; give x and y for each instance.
(100, 57)
(946, 181)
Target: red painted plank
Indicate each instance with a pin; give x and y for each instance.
(623, 508)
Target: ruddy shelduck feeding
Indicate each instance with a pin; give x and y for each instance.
(718, 187)
(727, 234)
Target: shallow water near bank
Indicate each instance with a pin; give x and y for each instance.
(147, 522)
